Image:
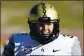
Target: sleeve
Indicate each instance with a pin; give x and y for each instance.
(9, 47)
(76, 50)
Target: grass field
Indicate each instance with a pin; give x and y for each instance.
(14, 16)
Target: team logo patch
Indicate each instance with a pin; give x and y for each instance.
(42, 50)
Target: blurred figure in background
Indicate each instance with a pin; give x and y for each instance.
(44, 37)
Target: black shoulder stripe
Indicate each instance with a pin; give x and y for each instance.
(64, 35)
(71, 37)
(68, 36)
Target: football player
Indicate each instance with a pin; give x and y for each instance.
(44, 37)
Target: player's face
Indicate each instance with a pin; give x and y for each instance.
(45, 29)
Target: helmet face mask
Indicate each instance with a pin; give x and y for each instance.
(43, 13)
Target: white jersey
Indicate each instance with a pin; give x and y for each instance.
(63, 45)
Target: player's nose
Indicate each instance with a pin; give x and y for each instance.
(45, 28)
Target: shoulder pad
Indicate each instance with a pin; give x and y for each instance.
(19, 37)
(68, 36)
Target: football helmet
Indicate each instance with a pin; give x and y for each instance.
(43, 12)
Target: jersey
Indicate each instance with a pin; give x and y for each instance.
(23, 45)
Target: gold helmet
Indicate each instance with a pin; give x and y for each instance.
(43, 12)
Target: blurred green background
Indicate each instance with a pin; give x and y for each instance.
(14, 14)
